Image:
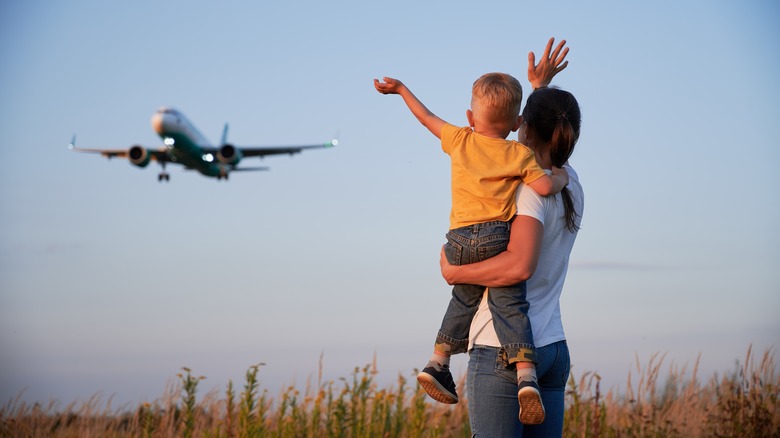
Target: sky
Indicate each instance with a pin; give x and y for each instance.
(110, 282)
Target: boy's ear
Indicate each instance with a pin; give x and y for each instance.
(518, 123)
(470, 117)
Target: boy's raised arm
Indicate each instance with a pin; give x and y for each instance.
(423, 114)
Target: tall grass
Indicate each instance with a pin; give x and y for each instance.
(743, 403)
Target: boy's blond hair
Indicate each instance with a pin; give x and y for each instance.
(497, 97)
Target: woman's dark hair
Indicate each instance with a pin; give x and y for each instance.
(552, 116)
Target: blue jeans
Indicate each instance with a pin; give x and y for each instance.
(492, 392)
(508, 305)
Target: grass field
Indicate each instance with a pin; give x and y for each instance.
(742, 403)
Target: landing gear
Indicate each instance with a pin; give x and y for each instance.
(163, 176)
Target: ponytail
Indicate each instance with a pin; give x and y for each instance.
(553, 117)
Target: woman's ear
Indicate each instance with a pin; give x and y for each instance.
(470, 118)
(518, 123)
(521, 133)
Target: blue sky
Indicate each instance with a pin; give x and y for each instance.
(110, 282)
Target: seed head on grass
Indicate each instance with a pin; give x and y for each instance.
(189, 388)
(251, 413)
(230, 408)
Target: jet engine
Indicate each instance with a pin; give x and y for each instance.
(229, 154)
(139, 156)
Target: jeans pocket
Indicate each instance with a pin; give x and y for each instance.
(553, 366)
(566, 368)
(502, 369)
(454, 251)
(493, 248)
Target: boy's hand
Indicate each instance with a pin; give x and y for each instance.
(550, 65)
(561, 173)
(389, 86)
(423, 114)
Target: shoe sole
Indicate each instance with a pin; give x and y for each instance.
(531, 407)
(435, 390)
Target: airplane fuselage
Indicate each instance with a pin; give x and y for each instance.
(185, 143)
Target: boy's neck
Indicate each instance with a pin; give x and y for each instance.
(492, 132)
(489, 128)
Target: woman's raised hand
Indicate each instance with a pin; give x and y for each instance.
(549, 65)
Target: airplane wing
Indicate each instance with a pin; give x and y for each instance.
(262, 151)
(158, 155)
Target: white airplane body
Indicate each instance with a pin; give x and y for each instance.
(184, 144)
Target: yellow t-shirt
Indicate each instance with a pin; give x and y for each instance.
(485, 175)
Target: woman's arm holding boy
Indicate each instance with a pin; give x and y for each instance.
(508, 268)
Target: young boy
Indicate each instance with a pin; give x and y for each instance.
(486, 171)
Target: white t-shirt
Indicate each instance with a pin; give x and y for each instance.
(545, 286)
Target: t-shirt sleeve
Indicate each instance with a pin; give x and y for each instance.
(530, 170)
(448, 135)
(529, 203)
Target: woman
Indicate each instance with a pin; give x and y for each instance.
(541, 239)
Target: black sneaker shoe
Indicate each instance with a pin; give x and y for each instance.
(438, 383)
(531, 407)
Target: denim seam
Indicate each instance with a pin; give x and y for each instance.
(463, 240)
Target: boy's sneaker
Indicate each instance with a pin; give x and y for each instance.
(531, 407)
(437, 382)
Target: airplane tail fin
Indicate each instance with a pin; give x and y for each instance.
(224, 135)
(72, 144)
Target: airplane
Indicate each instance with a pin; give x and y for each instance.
(184, 144)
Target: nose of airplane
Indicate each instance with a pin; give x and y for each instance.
(158, 123)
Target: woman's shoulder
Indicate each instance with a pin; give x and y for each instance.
(575, 187)
(572, 173)
(530, 203)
